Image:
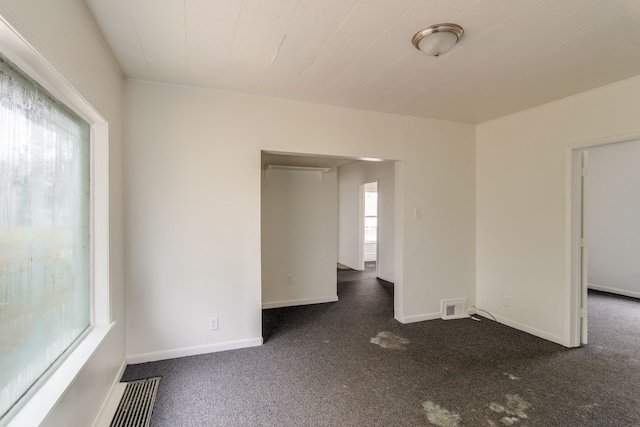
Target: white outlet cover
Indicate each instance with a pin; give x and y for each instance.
(213, 324)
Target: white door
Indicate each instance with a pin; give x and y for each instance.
(583, 249)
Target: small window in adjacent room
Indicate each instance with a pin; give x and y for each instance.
(371, 214)
(45, 219)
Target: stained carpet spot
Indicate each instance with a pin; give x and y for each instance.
(509, 421)
(514, 408)
(516, 405)
(511, 376)
(440, 416)
(496, 407)
(388, 340)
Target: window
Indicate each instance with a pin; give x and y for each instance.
(45, 218)
(371, 215)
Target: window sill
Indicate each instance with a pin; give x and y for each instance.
(35, 410)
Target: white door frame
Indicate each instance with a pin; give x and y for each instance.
(575, 231)
(361, 226)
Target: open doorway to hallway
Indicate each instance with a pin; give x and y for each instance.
(309, 221)
(366, 217)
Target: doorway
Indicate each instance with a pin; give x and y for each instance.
(368, 235)
(308, 216)
(604, 227)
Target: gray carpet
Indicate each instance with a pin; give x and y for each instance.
(329, 365)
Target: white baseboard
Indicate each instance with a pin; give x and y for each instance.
(193, 351)
(295, 302)
(528, 329)
(110, 405)
(625, 292)
(420, 317)
(386, 278)
(456, 316)
(349, 265)
(519, 326)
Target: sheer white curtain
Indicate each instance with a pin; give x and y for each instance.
(44, 232)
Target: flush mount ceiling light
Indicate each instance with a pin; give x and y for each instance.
(437, 39)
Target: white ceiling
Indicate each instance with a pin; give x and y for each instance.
(514, 54)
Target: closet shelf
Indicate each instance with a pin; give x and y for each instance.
(296, 168)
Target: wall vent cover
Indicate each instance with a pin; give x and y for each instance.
(455, 308)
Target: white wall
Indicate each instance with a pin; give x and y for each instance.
(613, 218)
(193, 208)
(299, 234)
(521, 205)
(65, 35)
(351, 176)
(370, 251)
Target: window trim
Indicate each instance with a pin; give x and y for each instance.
(47, 391)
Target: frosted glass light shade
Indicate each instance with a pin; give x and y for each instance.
(437, 39)
(437, 43)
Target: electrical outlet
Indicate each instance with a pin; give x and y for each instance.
(213, 324)
(289, 279)
(507, 301)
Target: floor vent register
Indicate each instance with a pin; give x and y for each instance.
(137, 402)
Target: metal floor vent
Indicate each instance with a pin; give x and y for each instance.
(136, 405)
